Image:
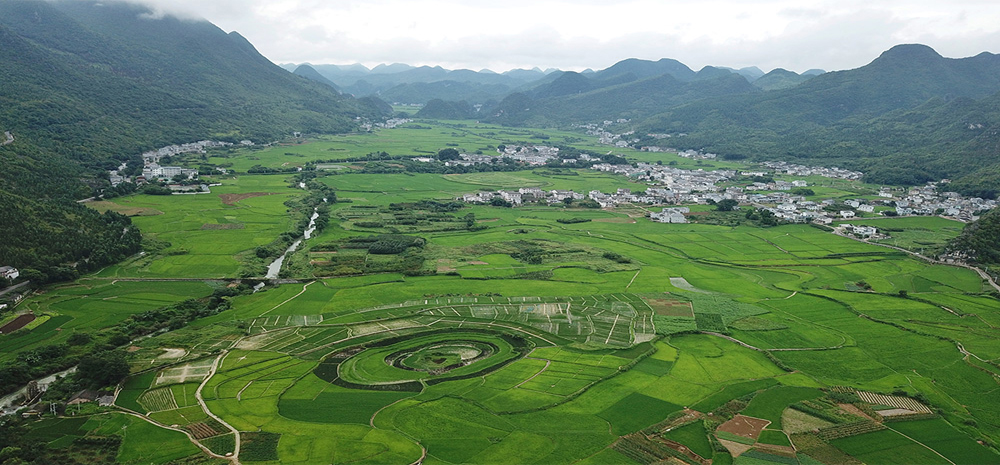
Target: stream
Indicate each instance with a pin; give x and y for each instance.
(16, 397)
(275, 267)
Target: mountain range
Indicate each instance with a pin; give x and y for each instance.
(405, 84)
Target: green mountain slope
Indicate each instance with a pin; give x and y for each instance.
(86, 85)
(980, 240)
(909, 116)
(574, 98)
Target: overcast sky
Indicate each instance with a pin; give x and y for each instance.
(575, 35)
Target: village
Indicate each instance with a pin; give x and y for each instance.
(153, 171)
(787, 200)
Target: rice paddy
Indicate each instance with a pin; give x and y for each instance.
(691, 337)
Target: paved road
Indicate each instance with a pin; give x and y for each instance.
(14, 288)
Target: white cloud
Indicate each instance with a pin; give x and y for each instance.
(578, 34)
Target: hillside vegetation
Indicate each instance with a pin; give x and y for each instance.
(89, 85)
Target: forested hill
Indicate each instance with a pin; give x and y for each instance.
(111, 77)
(908, 117)
(85, 85)
(980, 241)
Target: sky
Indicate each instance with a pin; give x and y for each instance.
(575, 35)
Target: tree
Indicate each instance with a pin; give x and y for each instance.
(500, 202)
(448, 154)
(726, 205)
(103, 368)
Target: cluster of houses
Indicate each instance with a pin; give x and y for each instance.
(927, 200)
(387, 124)
(694, 154)
(864, 232)
(522, 196)
(781, 167)
(534, 155)
(673, 186)
(670, 215)
(151, 169)
(606, 137)
(678, 182)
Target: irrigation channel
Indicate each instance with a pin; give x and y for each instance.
(275, 267)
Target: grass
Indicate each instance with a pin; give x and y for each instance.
(939, 435)
(636, 411)
(694, 436)
(770, 404)
(339, 406)
(886, 446)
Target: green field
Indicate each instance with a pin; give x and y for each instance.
(502, 335)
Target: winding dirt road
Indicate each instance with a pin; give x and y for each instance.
(201, 401)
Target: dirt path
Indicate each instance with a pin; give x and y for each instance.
(201, 401)
(612, 329)
(633, 278)
(186, 433)
(792, 349)
(547, 363)
(303, 291)
(922, 444)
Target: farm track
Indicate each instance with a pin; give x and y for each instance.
(235, 458)
(922, 444)
(179, 430)
(633, 279)
(982, 274)
(758, 349)
(547, 363)
(303, 291)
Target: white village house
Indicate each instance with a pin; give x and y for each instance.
(9, 272)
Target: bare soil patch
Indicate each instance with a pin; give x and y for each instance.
(667, 307)
(477, 262)
(18, 323)
(172, 353)
(735, 448)
(212, 226)
(748, 427)
(794, 421)
(850, 408)
(231, 199)
(614, 220)
(784, 451)
(445, 265)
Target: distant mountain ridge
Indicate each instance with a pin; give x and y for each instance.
(408, 84)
